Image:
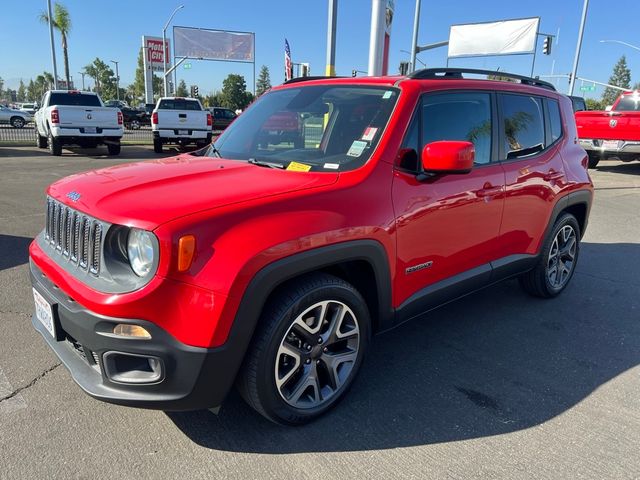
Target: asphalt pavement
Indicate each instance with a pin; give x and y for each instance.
(496, 385)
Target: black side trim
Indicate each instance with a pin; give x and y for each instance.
(580, 197)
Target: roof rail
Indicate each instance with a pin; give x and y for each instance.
(306, 79)
(456, 74)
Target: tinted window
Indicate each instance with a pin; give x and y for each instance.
(229, 114)
(523, 125)
(629, 103)
(459, 116)
(555, 119)
(179, 104)
(578, 104)
(77, 99)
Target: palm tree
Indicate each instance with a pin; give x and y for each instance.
(61, 21)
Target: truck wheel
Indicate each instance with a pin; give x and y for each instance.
(558, 259)
(55, 147)
(17, 122)
(593, 161)
(114, 148)
(41, 141)
(307, 350)
(157, 145)
(134, 125)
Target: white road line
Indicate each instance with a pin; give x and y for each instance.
(12, 404)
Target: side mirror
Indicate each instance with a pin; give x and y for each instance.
(608, 108)
(448, 157)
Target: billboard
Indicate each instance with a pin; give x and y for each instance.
(153, 53)
(213, 44)
(507, 37)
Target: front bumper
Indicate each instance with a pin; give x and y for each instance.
(190, 378)
(623, 149)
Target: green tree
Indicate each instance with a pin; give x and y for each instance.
(61, 21)
(263, 83)
(593, 104)
(9, 95)
(234, 93)
(181, 91)
(32, 92)
(212, 100)
(22, 92)
(621, 77)
(103, 76)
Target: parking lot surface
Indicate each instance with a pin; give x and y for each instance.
(496, 385)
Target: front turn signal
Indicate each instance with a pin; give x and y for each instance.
(186, 252)
(128, 330)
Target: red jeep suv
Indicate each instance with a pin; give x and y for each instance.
(268, 263)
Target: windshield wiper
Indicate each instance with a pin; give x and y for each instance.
(215, 151)
(262, 163)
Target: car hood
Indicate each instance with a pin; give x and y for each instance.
(148, 194)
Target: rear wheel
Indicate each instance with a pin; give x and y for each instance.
(593, 161)
(114, 148)
(55, 147)
(307, 351)
(17, 122)
(157, 145)
(558, 260)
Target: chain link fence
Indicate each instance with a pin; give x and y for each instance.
(26, 136)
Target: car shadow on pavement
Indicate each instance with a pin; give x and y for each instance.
(14, 251)
(495, 362)
(628, 168)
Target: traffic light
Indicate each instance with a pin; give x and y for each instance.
(546, 46)
(403, 68)
(191, 91)
(304, 69)
(195, 90)
(354, 73)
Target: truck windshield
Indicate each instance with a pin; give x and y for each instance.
(77, 99)
(629, 103)
(317, 128)
(179, 104)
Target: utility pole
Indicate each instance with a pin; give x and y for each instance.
(414, 41)
(164, 49)
(117, 80)
(331, 38)
(83, 74)
(53, 49)
(574, 71)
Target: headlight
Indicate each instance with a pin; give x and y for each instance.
(141, 252)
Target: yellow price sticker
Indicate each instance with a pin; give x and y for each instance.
(298, 167)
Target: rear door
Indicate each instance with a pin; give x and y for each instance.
(531, 133)
(448, 225)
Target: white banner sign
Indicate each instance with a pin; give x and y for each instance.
(506, 37)
(213, 44)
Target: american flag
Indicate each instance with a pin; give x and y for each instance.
(288, 66)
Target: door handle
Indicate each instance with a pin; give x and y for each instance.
(553, 175)
(489, 191)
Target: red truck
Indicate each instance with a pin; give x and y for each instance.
(269, 264)
(614, 133)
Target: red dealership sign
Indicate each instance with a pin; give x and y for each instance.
(153, 53)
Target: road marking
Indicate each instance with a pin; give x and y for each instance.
(17, 402)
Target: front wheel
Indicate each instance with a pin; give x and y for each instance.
(113, 148)
(157, 145)
(558, 260)
(307, 350)
(55, 147)
(17, 122)
(41, 141)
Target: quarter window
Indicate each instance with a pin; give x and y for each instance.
(555, 120)
(459, 116)
(523, 125)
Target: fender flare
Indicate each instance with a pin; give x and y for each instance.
(579, 197)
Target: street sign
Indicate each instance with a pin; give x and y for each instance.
(187, 66)
(588, 88)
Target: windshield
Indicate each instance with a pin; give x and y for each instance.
(629, 103)
(318, 128)
(75, 99)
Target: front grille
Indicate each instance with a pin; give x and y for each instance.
(90, 358)
(75, 236)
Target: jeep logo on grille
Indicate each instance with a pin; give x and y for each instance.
(613, 123)
(73, 196)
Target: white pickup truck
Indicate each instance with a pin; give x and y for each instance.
(77, 118)
(180, 121)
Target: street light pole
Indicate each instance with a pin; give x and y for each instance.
(621, 43)
(574, 71)
(83, 74)
(53, 48)
(117, 80)
(414, 38)
(164, 49)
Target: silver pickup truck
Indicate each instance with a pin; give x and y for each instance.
(77, 118)
(180, 121)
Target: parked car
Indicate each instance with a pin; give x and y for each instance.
(180, 121)
(222, 117)
(15, 118)
(269, 266)
(134, 119)
(71, 117)
(30, 108)
(116, 104)
(578, 103)
(613, 133)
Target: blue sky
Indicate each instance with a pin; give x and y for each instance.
(112, 30)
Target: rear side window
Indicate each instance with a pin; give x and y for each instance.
(459, 116)
(522, 125)
(555, 120)
(179, 104)
(74, 99)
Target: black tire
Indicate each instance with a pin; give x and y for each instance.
(134, 125)
(41, 141)
(537, 282)
(593, 161)
(17, 122)
(113, 148)
(157, 145)
(257, 378)
(55, 147)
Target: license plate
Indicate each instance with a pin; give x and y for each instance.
(183, 132)
(44, 313)
(89, 129)
(610, 144)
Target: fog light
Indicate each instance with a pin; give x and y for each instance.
(128, 330)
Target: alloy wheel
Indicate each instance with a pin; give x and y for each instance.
(562, 257)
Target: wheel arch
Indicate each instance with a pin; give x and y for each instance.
(576, 203)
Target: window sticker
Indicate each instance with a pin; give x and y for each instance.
(369, 133)
(386, 94)
(298, 167)
(356, 149)
(332, 166)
